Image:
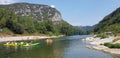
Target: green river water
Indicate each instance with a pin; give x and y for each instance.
(65, 47)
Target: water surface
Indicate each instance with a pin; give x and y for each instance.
(66, 47)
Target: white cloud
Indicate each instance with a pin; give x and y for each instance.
(7, 1)
(53, 6)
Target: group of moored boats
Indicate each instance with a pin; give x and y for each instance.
(20, 44)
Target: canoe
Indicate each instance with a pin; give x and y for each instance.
(19, 44)
(10, 44)
(35, 44)
(26, 45)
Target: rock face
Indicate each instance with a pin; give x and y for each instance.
(36, 11)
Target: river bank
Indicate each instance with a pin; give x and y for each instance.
(21, 38)
(65, 47)
(95, 43)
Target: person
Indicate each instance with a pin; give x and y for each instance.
(21, 42)
(15, 43)
(8, 43)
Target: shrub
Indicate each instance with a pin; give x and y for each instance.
(102, 35)
(6, 31)
(15, 27)
(110, 45)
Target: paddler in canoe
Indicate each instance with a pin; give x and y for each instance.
(10, 44)
(20, 44)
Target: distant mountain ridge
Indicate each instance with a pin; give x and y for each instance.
(84, 28)
(36, 11)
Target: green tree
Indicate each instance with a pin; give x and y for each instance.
(15, 27)
(28, 24)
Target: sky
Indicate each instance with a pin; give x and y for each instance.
(78, 12)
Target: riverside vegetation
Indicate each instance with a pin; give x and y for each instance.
(17, 22)
(110, 45)
(110, 23)
(107, 34)
(11, 23)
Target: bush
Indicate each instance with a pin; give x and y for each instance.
(102, 35)
(50, 33)
(6, 31)
(15, 27)
(110, 45)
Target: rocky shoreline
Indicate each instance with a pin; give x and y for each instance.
(21, 38)
(95, 43)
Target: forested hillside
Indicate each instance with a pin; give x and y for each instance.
(111, 23)
(86, 29)
(51, 24)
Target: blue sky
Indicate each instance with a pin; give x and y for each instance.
(79, 12)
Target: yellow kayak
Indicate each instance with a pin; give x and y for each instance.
(9, 44)
(20, 44)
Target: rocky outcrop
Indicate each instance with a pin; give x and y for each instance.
(36, 11)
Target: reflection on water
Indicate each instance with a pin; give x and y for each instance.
(49, 41)
(117, 56)
(67, 47)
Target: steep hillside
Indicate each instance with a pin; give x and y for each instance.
(26, 18)
(36, 11)
(111, 23)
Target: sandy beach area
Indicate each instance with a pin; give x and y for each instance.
(95, 43)
(20, 38)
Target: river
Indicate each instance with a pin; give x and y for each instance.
(65, 47)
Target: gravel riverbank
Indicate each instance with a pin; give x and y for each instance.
(95, 43)
(20, 38)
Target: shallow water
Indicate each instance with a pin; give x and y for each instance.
(66, 47)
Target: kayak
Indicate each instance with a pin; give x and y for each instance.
(33, 44)
(10, 44)
(26, 45)
(19, 44)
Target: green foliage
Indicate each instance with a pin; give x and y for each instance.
(4, 16)
(110, 23)
(102, 35)
(115, 28)
(6, 31)
(40, 27)
(27, 25)
(85, 29)
(9, 19)
(50, 33)
(67, 29)
(47, 27)
(108, 45)
(15, 27)
(117, 45)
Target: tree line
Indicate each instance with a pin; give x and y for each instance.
(111, 23)
(11, 23)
